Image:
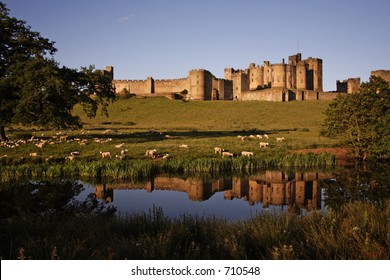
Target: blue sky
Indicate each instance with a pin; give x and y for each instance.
(165, 39)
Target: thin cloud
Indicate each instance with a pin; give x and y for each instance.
(126, 18)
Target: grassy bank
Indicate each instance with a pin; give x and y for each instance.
(358, 231)
(145, 123)
(144, 169)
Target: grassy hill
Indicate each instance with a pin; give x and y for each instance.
(142, 123)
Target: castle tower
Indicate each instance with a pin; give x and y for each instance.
(149, 85)
(279, 75)
(314, 74)
(267, 74)
(301, 75)
(255, 77)
(109, 72)
(384, 74)
(240, 81)
(200, 84)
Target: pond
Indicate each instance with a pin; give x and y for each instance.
(238, 198)
(230, 198)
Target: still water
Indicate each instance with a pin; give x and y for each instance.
(227, 198)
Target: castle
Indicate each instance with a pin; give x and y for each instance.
(299, 79)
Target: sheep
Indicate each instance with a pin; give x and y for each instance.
(33, 154)
(280, 139)
(71, 157)
(40, 144)
(75, 153)
(246, 153)
(266, 136)
(165, 156)
(105, 154)
(242, 138)
(63, 137)
(263, 144)
(227, 154)
(49, 159)
(151, 153)
(252, 136)
(183, 146)
(218, 150)
(120, 145)
(259, 136)
(123, 154)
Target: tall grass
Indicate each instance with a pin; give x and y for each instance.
(358, 231)
(144, 169)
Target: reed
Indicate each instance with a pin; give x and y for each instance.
(358, 231)
(144, 169)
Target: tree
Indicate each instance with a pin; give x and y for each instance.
(34, 89)
(362, 120)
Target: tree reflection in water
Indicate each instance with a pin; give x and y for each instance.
(47, 198)
(369, 182)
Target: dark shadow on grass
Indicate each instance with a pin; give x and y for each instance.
(151, 136)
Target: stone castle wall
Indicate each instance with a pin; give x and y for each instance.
(299, 79)
(350, 85)
(384, 74)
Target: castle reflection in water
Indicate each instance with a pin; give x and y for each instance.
(297, 190)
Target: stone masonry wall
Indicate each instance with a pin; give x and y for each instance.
(384, 74)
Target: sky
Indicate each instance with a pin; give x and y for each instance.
(166, 39)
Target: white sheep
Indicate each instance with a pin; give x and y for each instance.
(165, 156)
(263, 144)
(242, 138)
(259, 136)
(123, 154)
(246, 153)
(70, 157)
(227, 154)
(218, 150)
(266, 136)
(151, 153)
(183, 146)
(33, 154)
(120, 145)
(280, 139)
(105, 154)
(75, 153)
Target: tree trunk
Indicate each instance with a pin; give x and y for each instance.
(2, 134)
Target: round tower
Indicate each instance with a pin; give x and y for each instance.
(279, 75)
(197, 84)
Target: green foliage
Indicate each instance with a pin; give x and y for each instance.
(357, 231)
(34, 90)
(362, 120)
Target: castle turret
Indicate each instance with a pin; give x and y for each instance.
(301, 75)
(279, 75)
(200, 84)
(255, 76)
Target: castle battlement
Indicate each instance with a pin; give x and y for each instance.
(299, 79)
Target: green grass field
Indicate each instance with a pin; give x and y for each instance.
(142, 123)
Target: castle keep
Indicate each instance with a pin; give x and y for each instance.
(299, 79)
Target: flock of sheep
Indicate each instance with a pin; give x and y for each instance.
(150, 153)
